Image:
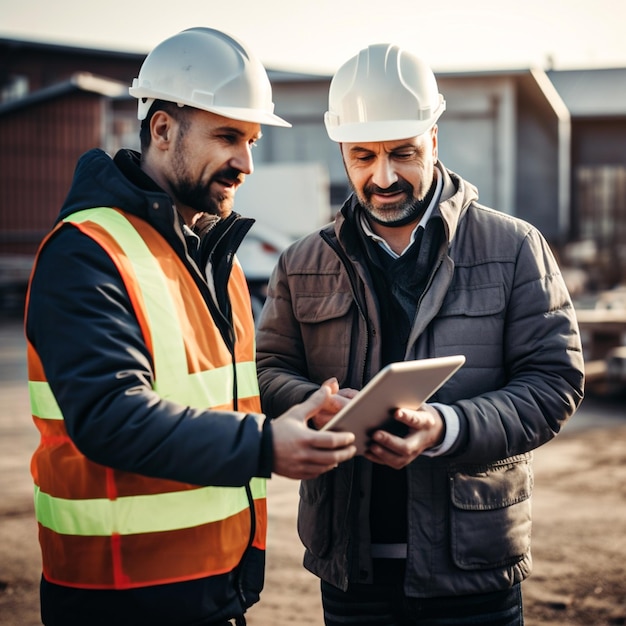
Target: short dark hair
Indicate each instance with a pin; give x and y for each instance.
(180, 114)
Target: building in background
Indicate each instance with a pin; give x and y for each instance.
(549, 147)
(596, 101)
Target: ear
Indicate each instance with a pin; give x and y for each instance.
(435, 141)
(161, 126)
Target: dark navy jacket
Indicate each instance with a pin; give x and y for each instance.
(82, 324)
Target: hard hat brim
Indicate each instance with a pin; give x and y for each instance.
(146, 97)
(249, 115)
(390, 130)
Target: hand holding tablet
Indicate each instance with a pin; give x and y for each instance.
(406, 384)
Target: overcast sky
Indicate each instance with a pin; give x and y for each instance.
(319, 36)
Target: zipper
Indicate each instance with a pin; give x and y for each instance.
(228, 334)
(358, 299)
(238, 578)
(355, 286)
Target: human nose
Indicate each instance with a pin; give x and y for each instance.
(384, 173)
(242, 160)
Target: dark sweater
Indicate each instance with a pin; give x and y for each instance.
(399, 284)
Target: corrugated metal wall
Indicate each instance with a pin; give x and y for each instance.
(38, 152)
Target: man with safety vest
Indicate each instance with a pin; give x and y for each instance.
(150, 473)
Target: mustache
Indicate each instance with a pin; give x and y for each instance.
(398, 186)
(230, 174)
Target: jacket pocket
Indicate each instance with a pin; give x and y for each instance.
(326, 324)
(314, 308)
(491, 514)
(471, 316)
(315, 513)
(471, 321)
(474, 300)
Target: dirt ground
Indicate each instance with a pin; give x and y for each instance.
(579, 530)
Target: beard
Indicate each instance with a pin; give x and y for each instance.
(399, 213)
(197, 194)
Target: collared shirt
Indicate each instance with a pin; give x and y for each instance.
(449, 415)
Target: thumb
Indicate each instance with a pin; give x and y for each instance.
(316, 400)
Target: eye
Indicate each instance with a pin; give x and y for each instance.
(228, 138)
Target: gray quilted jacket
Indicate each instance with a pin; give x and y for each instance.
(496, 296)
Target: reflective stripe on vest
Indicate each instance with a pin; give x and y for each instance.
(132, 515)
(185, 516)
(215, 385)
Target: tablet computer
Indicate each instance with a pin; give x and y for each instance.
(406, 384)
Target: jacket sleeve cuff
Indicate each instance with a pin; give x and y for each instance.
(266, 455)
(451, 421)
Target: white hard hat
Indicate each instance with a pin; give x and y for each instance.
(210, 70)
(383, 93)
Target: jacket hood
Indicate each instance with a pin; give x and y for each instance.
(100, 181)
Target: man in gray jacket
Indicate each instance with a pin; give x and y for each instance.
(431, 525)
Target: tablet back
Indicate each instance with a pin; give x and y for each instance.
(405, 384)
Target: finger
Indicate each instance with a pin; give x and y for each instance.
(382, 456)
(310, 471)
(322, 402)
(331, 440)
(348, 392)
(316, 401)
(332, 384)
(310, 467)
(323, 458)
(413, 419)
(387, 441)
(416, 419)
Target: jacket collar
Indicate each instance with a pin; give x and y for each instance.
(456, 196)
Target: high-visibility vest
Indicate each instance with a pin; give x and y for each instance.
(103, 528)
